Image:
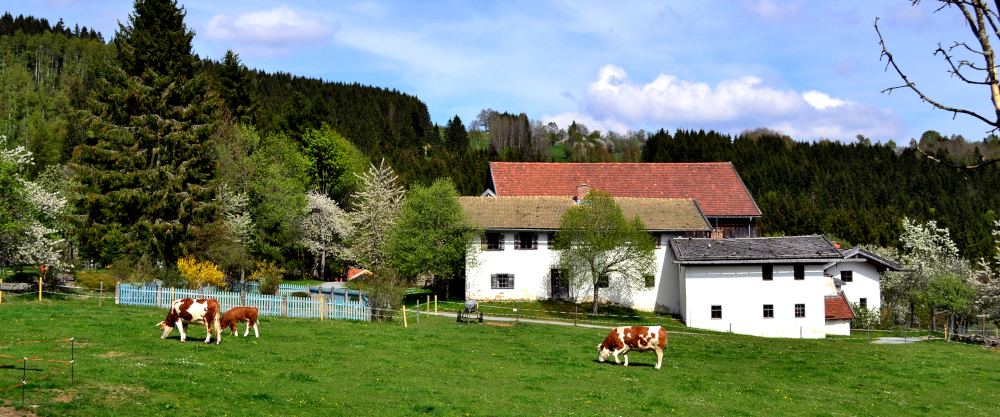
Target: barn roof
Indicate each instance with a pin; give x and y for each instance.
(715, 185)
(880, 263)
(789, 249)
(544, 213)
(837, 307)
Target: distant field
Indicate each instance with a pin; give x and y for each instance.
(437, 367)
(558, 153)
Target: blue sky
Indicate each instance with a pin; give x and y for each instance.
(808, 68)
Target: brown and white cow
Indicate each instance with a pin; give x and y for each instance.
(238, 315)
(188, 310)
(641, 339)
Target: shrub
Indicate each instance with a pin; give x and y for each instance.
(299, 294)
(878, 319)
(133, 270)
(269, 275)
(92, 280)
(385, 290)
(198, 274)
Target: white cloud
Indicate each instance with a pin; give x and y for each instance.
(821, 100)
(615, 101)
(269, 32)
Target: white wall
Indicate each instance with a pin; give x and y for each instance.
(742, 293)
(531, 269)
(838, 327)
(866, 282)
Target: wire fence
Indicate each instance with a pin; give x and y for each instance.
(336, 307)
(40, 358)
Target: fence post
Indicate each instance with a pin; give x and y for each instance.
(1, 291)
(321, 302)
(171, 295)
(904, 335)
(39, 288)
(800, 332)
(517, 316)
(158, 289)
(576, 314)
(418, 310)
(428, 305)
(284, 305)
(435, 304)
(404, 316)
(118, 293)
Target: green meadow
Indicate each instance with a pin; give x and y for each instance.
(302, 367)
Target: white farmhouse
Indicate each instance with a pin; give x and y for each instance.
(712, 270)
(516, 259)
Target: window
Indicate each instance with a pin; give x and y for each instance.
(503, 281)
(800, 311)
(525, 240)
(768, 311)
(767, 272)
(716, 312)
(650, 281)
(657, 240)
(493, 241)
(863, 303)
(800, 272)
(847, 276)
(603, 282)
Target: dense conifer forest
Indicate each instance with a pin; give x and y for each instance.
(858, 192)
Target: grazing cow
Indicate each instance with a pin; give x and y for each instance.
(238, 315)
(188, 310)
(641, 339)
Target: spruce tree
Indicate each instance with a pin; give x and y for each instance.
(147, 172)
(457, 138)
(236, 90)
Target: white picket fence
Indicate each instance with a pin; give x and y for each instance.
(352, 305)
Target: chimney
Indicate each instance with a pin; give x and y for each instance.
(836, 245)
(581, 191)
(716, 234)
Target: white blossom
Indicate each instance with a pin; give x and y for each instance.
(377, 206)
(325, 226)
(235, 209)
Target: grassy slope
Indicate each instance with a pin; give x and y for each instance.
(305, 367)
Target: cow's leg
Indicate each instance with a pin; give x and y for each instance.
(626, 358)
(659, 357)
(255, 334)
(180, 328)
(218, 329)
(615, 352)
(247, 333)
(208, 331)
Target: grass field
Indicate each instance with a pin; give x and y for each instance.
(437, 367)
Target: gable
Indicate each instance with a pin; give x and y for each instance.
(716, 186)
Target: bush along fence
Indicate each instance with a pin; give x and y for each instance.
(341, 304)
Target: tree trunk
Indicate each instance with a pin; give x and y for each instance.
(933, 321)
(596, 289)
(322, 266)
(911, 313)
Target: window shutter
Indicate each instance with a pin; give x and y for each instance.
(534, 241)
(517, 241)
(493, 281)
(510, 281)
(484, 241)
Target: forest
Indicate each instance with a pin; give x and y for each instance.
(858, 192)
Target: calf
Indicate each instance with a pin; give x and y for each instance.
(640, 339)
(237, 315)
(189, 310)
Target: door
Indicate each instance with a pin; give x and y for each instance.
(560, 288)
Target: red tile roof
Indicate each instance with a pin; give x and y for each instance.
(716, 186)
(837, 308)
(356, 273)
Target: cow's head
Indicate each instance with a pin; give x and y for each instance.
(602, 352)
(167, 325)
